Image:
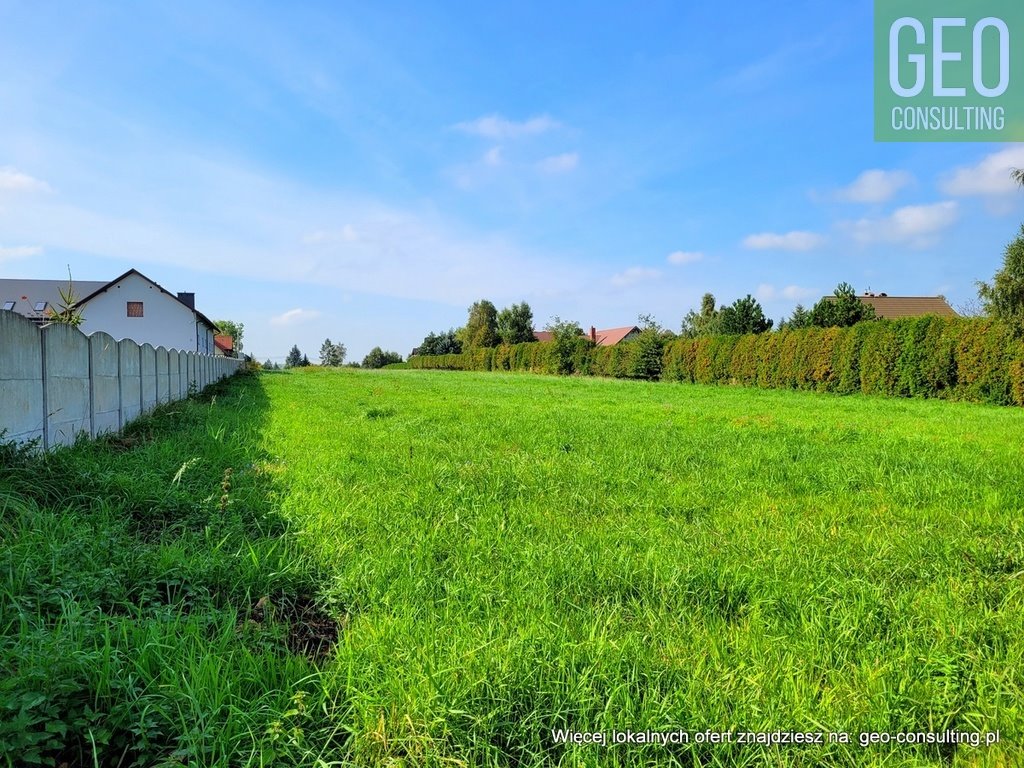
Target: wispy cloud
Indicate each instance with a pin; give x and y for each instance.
(559, 163)
(634, 275)
(989, 178)
(875, 186)
(19, 252)
(913, 225)
(493, 157)
(295, 317)
(15, 180)
(790, 241)
(346, 234)
(684, 257)
(499, 128)
(768, 292)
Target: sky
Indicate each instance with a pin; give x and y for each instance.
(364, 172)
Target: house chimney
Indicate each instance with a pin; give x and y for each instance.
(593, 334)
(187, 298)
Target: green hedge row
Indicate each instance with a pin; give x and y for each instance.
(961, 358)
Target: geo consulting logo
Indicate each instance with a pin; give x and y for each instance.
(949, 70)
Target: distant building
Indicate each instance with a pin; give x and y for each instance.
(128, 307)
(606, 338)
(224, 345)
(892, 307)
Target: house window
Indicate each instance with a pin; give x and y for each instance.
(40, 306)
(134, 309)
(8, 305)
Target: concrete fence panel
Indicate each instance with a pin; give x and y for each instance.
(163, 380)
(149, 394)
(183, 373)
(21, 379)
(105, 383)
(66, 384)
(56, 383)
(173, 376)
(130, 372)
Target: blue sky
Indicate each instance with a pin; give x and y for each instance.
(365, 172)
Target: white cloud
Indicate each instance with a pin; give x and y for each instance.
(559, 163)
(684, 257)
(634, 275)
(15, 180)
(493, 157)
(346, 234)
(914, 225)
(875, 186)
(498, 127)
(767, 292)
(19, 252)
(988, 178)
(294, 317)
(790, 241)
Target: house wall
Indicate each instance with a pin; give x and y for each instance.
(56, 383)
(166, 322)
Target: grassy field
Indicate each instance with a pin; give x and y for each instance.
(506, 556)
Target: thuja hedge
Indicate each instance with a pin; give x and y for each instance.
(960, 358)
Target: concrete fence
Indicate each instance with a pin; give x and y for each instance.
(57, 383)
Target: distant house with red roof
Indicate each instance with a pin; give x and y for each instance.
(604, 338)
(224, 345)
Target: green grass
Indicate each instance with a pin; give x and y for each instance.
(506, 555)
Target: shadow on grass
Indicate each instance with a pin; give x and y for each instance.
(153, 604)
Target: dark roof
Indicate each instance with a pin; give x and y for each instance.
(27, 293)
(133, 271)
(891, 307)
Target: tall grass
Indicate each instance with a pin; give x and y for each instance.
(507, 555)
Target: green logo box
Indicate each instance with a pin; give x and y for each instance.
(949, 70)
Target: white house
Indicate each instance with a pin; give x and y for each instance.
(129, 307)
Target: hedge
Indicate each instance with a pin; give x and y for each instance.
(957, 358)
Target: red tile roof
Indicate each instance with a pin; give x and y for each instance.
(224, 342)
(543, 335)
(612, 336)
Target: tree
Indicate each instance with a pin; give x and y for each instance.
(1003, 299)
(1017, 174)
(235, 330)
(801, 318)
(482, 326)
(566, 337)
(445, 343)
(332, 355)
(294, 358)
(841, 310)
(305, 362)
(648, 350)
(744, 316)
(706, 323)
(515, 324)
(378, 358)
